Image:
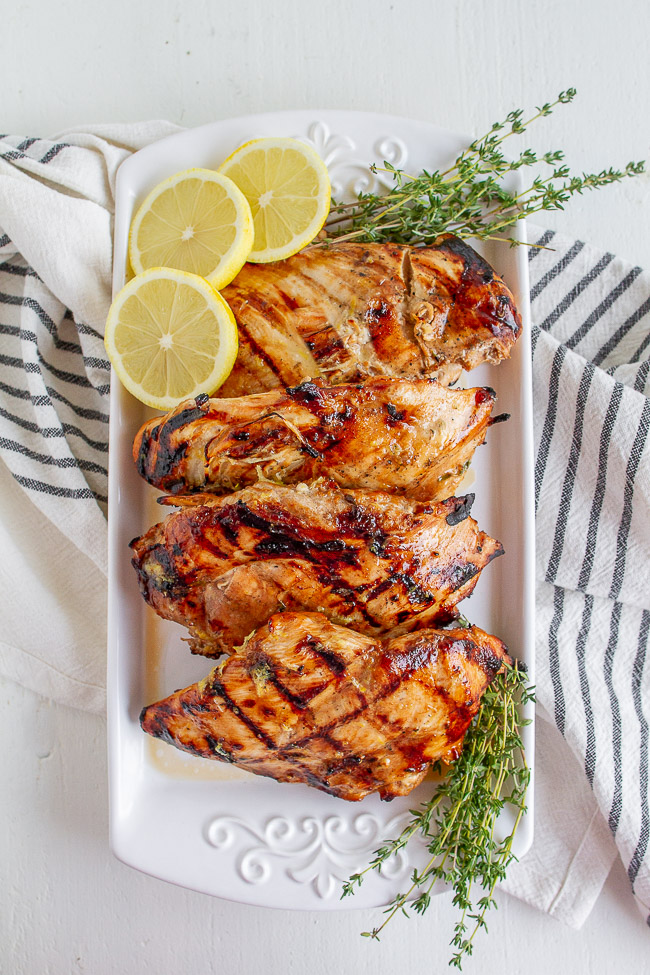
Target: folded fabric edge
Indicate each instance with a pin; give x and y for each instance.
(37, 675)
(643, 908)
(587, 871)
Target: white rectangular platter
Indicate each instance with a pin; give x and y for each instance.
(203, 824)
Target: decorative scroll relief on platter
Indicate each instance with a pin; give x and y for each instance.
(350, 174)
(310, 850)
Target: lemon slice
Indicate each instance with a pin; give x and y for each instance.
(195, 221)
(170, 336)
(288, 189)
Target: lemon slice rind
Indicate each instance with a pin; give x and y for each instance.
(268, 192)
(170, 336)
(172, 227)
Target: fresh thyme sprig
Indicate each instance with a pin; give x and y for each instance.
(458, 823)
(468, 199)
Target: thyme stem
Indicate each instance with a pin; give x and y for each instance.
(468, 198)
(458, 823)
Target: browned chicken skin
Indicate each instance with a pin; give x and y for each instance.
(222, 565)
(344, 312)
(307, 701)
(411, 436)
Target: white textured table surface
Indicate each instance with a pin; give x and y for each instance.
(65, 904)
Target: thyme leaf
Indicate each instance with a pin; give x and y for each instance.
(458, 823)
(468, 199)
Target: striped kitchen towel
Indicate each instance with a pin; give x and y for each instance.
(591, 357)
(56, 205)
(592, 484)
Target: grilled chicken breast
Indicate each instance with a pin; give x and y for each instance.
(344, 312)
(307, 701)
(412, 436)
(223, 565)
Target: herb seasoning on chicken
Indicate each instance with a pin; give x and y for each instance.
(222, 565)
(307, 701)
(410, 436)
(348, 311)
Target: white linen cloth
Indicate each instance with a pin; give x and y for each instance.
(56, 230)
(592, 486)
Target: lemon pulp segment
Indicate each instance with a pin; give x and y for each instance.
(196, 221)
(170, 336)
(288, 190)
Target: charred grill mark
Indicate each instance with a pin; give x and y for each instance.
(325, 349)
(461, 510)
(173, 486)
(323, 403)
(489, 662)
(195, 707)
(415, 656)
(257, 349)
(299, 702)
(395, 415)
(395, 678)
(499, 550)
(475, 269)
(281, 541)
(229, 525)
(218, 748)
(246, 442)
(281, 544)
(380, 587)
(143, 452)
(180, 419)
(479, 288)
(290, 302)
(306, 392)
(321, 294)
(329, 658)
(356, 605)
(154, 723)
(167, 457)
(501, 418)
(216, 688)
(203, 542)
(414, 592)
(361, 521)
(157, 570)
(462, 572)
(292, 542)
(303, 772)
(310, 777)
(345, 764)
(308, 449)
